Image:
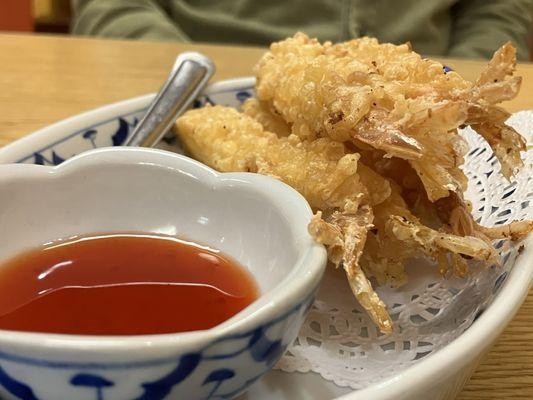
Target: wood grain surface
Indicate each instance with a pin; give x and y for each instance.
(44, 79)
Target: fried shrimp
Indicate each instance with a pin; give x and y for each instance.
(368, 133)
(320, 170)
(391, 99)
(227, 140)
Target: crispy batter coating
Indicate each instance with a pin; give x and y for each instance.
(368, 134)
(263, 114)
(391, 99)
(320, 170)
(227, 140)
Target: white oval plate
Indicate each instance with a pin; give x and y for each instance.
(437, 376)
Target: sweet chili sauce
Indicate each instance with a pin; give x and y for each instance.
(121, 284)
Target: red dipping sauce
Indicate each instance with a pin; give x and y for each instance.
(121, 284)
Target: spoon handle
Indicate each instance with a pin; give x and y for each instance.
(188, 77)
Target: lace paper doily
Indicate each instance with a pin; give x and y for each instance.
(339, 341)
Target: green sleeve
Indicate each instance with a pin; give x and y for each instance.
(133, 19)
(481, 26)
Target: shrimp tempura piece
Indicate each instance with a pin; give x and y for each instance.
(393, 100)
(320, 170)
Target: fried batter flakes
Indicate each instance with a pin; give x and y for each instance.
(227, 140)
(262, 113)
(367, 133)
(320, 170)
(391, 99)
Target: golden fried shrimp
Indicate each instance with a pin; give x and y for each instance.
(391, 99)
(320, 170)
(368, 134)
(227, 140)
(381, 121)
(325, 95)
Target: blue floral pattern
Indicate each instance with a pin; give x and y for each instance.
(113, 132)
(219, 366)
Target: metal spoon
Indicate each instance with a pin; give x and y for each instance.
(188, 77)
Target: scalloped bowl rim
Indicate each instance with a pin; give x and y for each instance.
(308, 267)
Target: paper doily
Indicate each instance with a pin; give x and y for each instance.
(341, 343)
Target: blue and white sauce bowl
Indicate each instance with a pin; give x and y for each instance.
(259, 221)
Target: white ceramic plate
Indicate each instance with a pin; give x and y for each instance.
(438, 376)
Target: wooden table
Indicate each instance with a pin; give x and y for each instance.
(45, 79)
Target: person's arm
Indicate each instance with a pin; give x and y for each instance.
(481, 26)
(135, 19)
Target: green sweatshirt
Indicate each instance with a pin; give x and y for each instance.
(456, 28)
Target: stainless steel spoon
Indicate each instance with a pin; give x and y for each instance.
(188, 78)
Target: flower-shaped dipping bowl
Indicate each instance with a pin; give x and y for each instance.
(260, 222)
